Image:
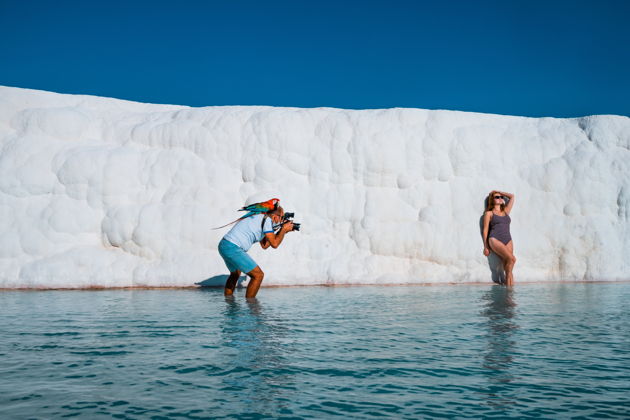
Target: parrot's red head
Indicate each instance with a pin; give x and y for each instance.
(275, 201)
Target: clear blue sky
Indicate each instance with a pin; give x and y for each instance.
(533, 58)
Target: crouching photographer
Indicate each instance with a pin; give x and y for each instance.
(269, 230)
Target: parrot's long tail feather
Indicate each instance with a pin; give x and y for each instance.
(231, 223)
(237, 220)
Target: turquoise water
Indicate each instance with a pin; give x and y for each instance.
(540, 350)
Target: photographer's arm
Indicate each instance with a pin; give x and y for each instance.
(274, 239)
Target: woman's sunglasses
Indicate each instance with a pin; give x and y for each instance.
(497, 196)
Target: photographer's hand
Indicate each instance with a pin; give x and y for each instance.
(287, 227)
(274, 239)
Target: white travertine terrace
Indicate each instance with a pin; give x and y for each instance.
(104, 192)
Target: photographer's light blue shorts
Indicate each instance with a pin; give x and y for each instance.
(235, 258)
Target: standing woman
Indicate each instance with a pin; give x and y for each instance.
(496, 231)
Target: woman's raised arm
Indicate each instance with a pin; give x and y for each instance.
(508, 208)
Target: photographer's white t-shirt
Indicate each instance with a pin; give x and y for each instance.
(249, 231)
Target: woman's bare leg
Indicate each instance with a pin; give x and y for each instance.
(510, 247)
(507, 256)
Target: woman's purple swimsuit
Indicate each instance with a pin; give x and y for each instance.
(500, 228)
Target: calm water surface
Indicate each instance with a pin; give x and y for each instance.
(540, 350)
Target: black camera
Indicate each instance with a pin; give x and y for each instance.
(288, 217)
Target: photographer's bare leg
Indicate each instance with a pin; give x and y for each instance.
(256, 278)
(230, 284)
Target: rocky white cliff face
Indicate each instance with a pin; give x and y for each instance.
(104, 192)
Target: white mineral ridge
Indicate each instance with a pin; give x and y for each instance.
(110, 193)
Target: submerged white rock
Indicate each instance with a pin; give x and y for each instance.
(104, 192)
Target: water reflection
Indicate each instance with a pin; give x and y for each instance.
(499, 309)
(257, 357)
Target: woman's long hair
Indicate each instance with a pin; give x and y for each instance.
(490, 201)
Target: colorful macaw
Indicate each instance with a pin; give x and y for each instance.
(256, 208)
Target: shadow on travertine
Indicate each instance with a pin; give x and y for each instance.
(219, 281)
(496, 268)
(494, 262)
